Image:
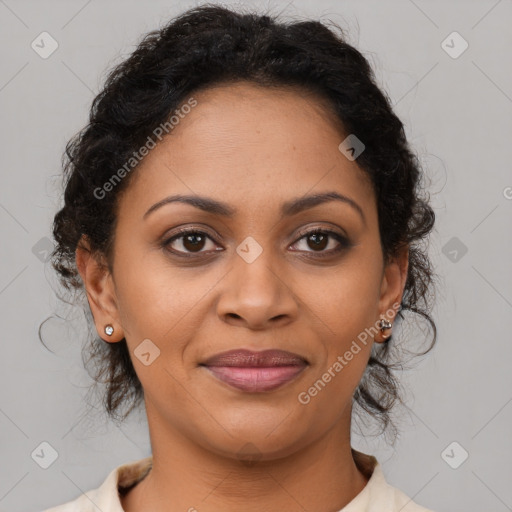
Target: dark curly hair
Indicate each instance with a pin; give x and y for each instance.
(207, 46)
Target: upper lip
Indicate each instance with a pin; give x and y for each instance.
(248, 358)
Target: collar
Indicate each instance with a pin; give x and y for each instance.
(376, 496)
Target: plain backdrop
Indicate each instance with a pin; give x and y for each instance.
(455, 443)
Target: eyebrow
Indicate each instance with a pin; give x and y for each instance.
(288, 208)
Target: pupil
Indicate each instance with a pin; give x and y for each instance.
(319, 240)
(194, 245)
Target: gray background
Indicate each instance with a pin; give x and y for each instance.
(457, 113)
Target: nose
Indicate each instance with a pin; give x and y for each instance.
(257, 295)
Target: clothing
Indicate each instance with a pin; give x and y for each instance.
(377, 495)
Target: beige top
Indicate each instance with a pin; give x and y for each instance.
(377, 495)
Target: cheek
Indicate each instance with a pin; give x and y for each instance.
(348, 300)
(165, 305)
(159, 304)
(347, 304)
(152, 295)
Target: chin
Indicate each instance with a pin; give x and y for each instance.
(256, 438)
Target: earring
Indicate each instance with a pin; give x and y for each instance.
(109, 330)
(384, 325)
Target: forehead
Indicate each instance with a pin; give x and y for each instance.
(251, 139)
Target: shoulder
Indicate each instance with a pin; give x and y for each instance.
(106, 496)
(405, 504)
(394, 499)
(379, 495)
(84, 503)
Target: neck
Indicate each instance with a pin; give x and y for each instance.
(186, 477)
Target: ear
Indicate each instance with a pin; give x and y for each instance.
(100, 290)
(393, 284)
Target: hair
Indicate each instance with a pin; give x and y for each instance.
(212, 45)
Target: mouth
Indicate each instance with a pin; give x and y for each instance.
(255, 371)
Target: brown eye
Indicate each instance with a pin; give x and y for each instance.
(317, 240)
(193, 242)
(189, 241)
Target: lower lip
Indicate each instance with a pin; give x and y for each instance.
(255, 379)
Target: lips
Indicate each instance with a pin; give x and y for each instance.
(255, 371)
(247, 358)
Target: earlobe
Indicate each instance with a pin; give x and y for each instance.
(100, 293)
(392, 289)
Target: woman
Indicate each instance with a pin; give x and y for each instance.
(246, 218)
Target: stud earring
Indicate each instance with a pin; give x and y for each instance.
(385, 325)
(109, 330)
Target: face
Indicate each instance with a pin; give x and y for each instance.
(247, 274)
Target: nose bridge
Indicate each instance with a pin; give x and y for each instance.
(254, 265)
(255, 292)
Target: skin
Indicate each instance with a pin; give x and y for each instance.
(253, 148)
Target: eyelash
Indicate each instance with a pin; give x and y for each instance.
(343, 241)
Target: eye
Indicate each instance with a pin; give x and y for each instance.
(191, 240)
(318, 239)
